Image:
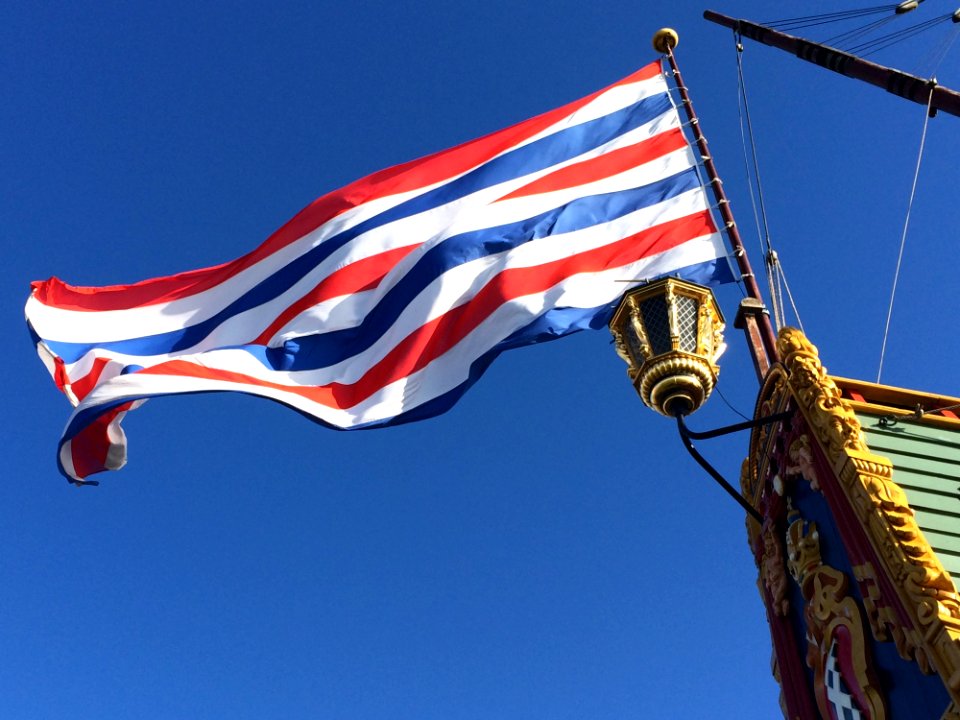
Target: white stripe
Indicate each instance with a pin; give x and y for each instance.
(353, 308)
(459, 284)
(443, 374)
(346, 311)
(66, 459)
(456, 286)
(616, 98)
(66, 325)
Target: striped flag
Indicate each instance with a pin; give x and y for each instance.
(382, 302)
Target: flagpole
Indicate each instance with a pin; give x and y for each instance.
(753, 317)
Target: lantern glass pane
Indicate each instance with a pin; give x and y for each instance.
(687, 308)
(657, 324)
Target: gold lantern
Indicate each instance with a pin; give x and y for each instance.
(670, 333)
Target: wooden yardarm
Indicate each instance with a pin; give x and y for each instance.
(893, 81)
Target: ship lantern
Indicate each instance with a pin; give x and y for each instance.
(669, 332)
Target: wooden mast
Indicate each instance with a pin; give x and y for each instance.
(893, 81)
(752, 316)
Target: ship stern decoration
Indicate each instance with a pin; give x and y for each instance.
(857, 491)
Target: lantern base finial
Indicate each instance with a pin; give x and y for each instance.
(675, 382)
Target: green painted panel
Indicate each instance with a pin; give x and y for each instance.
(932, 520)
(929, 441)
(926, 464)
(920, 500)
(909, 456)
(910, 473)
(947, 543)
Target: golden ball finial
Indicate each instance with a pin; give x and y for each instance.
(665, 39)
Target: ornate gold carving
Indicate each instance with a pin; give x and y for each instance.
(620, 346)
(773, 573)
(676, 375)
(773, 399)
(925, 589)
(748, 483)
(883, 622)
(952, 712)
(709, 331)
(839, 429)
(803, 548)
(800, 455)
(831, 616)
(749, 489)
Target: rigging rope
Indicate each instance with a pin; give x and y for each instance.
(776, 277)
(903, 237)
(844, 39)
(717, 389)
(884, 41)
(796, 313)
(931, 62)
(822, 19)
(743, 108)
(851, 35)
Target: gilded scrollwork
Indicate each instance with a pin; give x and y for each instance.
(927, 592)
(883, 622)
(840, 429)
(709, 331)
(639, 331)
(833, 620)
(773, 398)
(774, 572)
(620, 346)
(749, 488)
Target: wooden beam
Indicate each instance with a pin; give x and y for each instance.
(893, 81)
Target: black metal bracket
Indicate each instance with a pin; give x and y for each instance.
(688, 436)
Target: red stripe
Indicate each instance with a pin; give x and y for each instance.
(606, 165)
(82, 386)
(436, 337)
(433, 339)
(60, 376)
(400, 178)
(89, 447)
(362, 275)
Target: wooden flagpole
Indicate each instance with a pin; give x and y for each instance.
(752, 317)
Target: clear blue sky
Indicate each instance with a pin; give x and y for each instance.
(545, 550)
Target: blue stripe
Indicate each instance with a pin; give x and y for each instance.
(538, 155)
(554, 323)
(558, 322)
(326, 349)
(551, 325)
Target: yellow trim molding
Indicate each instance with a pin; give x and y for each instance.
(924, 588)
